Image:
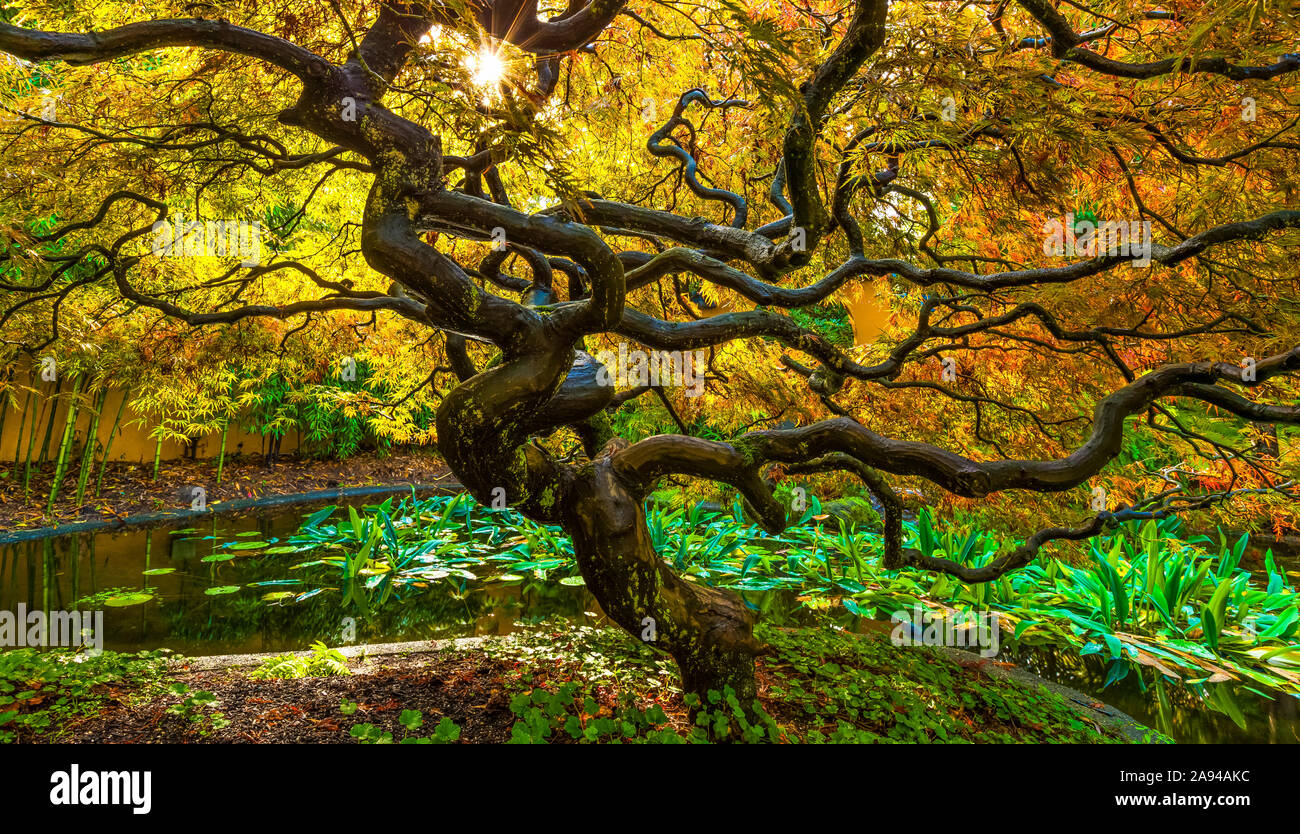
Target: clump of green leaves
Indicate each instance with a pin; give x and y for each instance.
(447, 731)
(197, 708)
(322, 662)
(830, 320)
(721, 717)
(570, 712)
(835, 687)
(41, 691)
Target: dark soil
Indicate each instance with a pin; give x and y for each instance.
(466, 688)
(129, 489)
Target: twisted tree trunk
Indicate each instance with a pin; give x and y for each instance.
(708, 631)
(541, 379)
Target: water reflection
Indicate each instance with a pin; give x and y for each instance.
(1176, 711)
(54, 574)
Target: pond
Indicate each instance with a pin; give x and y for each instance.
(91, 570)
(1273, 720)
(56, 573)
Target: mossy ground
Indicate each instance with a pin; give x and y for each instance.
(815, 685)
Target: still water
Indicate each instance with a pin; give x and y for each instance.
(82, 571)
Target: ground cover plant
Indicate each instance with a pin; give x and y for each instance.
(41, 693)
(561, 684)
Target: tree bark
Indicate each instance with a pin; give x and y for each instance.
(707, 631)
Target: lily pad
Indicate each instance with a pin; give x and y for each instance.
(221, 589)
(158, 571)
(123, 600)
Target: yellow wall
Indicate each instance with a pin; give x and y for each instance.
(132, 443)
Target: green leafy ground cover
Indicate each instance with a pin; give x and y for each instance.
(552, 684)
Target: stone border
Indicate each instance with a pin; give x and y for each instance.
(224, 507)
(209, 663)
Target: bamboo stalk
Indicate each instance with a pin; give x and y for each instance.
(69, 427)
(4, 402)
(49, 427)
(31, 447)
(108, 447)
(221, 456)
(22, 425)
(88, 453)
(157, 454)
